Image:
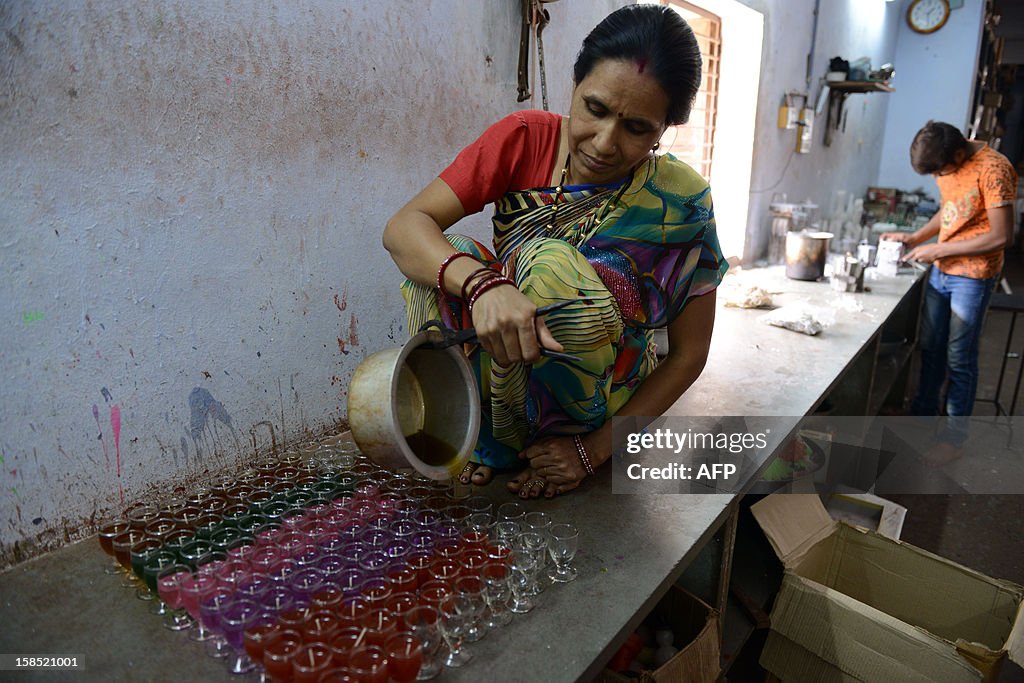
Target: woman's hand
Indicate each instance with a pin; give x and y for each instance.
(507, 326)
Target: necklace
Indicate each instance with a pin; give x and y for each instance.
(559, 193)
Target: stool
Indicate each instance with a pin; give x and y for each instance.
(1014, 304)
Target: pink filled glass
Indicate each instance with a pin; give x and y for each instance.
(168, 585)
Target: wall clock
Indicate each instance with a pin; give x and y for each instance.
(928, 16)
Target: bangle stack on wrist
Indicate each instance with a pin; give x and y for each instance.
(483, 286)
(478, 282)
(582, 452)
(481, 275)
(444, 266)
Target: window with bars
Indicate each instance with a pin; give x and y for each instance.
(694, 141)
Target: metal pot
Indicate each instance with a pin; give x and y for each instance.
(806, 252)
(416, 406)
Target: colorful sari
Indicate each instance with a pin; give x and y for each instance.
(631, 257)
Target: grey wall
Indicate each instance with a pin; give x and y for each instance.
(191, 201)
(846, 28)
(934, 80)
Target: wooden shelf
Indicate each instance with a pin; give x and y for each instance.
(860, 86)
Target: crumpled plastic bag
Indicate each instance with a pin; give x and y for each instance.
(747, 297)
(801, 317)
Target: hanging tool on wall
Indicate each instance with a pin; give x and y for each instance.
(534, 19)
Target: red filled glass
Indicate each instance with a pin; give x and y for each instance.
(405, 656)
(344, 642)
(310, 662)
(445, 570)
(320, 627)
(293, 619)
(370, 664)
(433, 593)
(420, 562)
(400, 603)
(256, 637)
(278, 652)
(472, 562)
(352, 612)
(108, 532)
(403, 579)
(380, 625)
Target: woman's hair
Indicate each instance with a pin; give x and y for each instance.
(935, 147)
(654, 37)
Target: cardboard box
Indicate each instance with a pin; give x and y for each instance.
(867, 511)
(696, 629)
(856, 606)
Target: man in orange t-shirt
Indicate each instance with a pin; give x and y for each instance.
(978, 187)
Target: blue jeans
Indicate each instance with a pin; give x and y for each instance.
(954, 309)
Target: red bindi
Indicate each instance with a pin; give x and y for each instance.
(641, 64)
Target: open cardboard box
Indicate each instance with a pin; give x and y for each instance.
(696, 629)
(857, 606)
(868, 511)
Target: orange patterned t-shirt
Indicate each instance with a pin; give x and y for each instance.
(985, 181)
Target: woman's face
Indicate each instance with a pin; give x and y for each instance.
(617, 114)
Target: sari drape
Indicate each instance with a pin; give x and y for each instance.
(631, 257)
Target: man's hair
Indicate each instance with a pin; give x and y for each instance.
(935, 147)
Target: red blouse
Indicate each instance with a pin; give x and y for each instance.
(516, 153)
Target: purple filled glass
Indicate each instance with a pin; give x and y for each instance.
(237, 617)
(211, 607)
(267, 533)
(280, 571)
(265, 557)
(405, 509)
(305, 582)
(255, 586)
(380, 523)
(427, 519)
(291, 543)
(350, 580)
(353, 552)
(331, 543)
(448, 530)
(332, 565)
(404, 528)
(397, 550)
(376, 538)
(423, 540)
(375, 563)
(277, 600)
(309, 557)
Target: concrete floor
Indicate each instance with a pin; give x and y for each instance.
(981, 532)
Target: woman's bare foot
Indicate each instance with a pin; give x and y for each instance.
(475, 473)
(528, 485)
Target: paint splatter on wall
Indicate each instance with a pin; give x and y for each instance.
(205, 412)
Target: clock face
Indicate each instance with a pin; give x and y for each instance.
(927, 16)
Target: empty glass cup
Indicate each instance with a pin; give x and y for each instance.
(562, 547)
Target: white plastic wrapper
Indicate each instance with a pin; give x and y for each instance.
(747, 297)
(801, 317)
